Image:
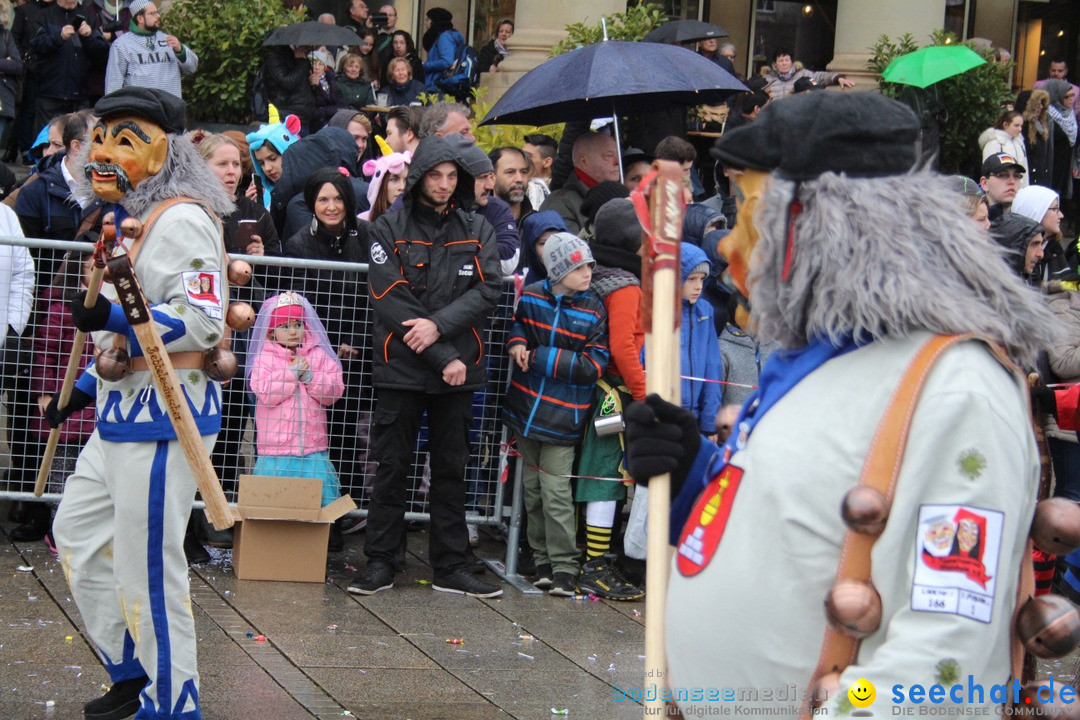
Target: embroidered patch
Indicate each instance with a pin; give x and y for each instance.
(466, 271)
(202, 290)
(956, 560)
(378, 255)
(705, 527)
(197, 264)
(971, 463)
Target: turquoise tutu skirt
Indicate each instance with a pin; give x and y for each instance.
(316, 465)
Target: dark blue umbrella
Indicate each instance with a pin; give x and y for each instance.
(612, 78)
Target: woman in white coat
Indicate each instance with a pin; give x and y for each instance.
(1005, 137)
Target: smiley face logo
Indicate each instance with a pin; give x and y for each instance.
(862, 693)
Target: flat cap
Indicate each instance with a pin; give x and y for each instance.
(159, 107)
(802, 136)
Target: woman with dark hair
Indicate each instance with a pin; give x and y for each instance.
(338, 296)
(441, 43)
(372, 61)
(496, 51)
(1062, 113)
(401, 46)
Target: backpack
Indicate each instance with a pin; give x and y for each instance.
(260, 105)
(463, 75)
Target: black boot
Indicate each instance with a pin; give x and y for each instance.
(193, 550)
(120, 702)
(210, 536)
(37, 520)
(337, 539)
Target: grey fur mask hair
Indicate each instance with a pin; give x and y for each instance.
(886, 257)
(184, 174)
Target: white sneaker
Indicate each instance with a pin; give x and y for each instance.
(474, 536)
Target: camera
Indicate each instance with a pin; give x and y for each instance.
(379, 20)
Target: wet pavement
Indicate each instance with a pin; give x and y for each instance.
(327, 653)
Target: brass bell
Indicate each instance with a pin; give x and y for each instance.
(113, 364)
(824, 688)
(220, 364)
(1049, 626)
(240, 316)
(239, 272)
(853, 608)
(131, 228)
(865, 510)
(1056, 527)
(1046, 696)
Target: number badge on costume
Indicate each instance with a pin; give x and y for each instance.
(705, 527)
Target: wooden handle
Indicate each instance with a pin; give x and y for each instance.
(662, 377)
(70, 376)
(163, 374)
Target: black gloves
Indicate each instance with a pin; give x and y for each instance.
(660, 438)
(90, 319)
(56, 417)
(1043, 398)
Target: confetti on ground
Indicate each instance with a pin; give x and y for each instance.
(526, 638)
(331, 628)
(456, 641)
(250, 634)
(25, 568)
(611, 667)
(50, 703)
(260, 638)
(347, 714)
(423, 582)
(564, 711)
(68, 639)
(527, 657)
(637, 613)
(592, 658)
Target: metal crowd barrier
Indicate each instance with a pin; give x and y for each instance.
(338, 292)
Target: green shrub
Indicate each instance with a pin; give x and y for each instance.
(631, 25)
(972, 99)
(490, 137)
(227, 36)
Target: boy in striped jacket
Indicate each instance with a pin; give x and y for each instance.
(559, 347)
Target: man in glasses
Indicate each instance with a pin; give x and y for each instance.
(1000, 180)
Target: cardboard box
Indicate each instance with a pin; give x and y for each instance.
(283, 531)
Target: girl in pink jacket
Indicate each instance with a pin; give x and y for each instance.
(295, 376)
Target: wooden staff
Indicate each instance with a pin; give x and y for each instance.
(163, 373)
(660, 272)
(105, 244)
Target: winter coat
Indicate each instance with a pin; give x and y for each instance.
(743, 357)
(782, 85)
(621, 294)
(443, 267)
(356, 93)
(11, 70)
(441, 56)
(46, 210)
(993, 141)
(290, 416)
(498, 213)
(16, 277)
(700, 352)
(489, 55)
(327, 101)
(53, 341)
(287, 86)
(64, 66)
(1064, 355)
(566, 336)
(567, 202)
(406, 95)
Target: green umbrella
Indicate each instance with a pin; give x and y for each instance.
(931, 64)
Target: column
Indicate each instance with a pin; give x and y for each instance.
(859, 23)
(539, 26)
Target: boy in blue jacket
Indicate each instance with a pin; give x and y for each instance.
(701, 365)
(559, 347)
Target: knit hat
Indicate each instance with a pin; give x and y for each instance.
(966, 186)
(322, 56)
(159, 107)
(474, 160)
(998, 162)
(599, 194)
(288, 308)
(438, 14)
(563, 252)
(137, 6)
(1033, 202)
(616, 225)
(860, 134)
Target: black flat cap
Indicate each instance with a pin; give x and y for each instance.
(802, 136)
(157, 106)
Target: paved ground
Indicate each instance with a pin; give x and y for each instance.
(328, 653)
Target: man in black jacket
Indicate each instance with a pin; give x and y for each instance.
(433, 281)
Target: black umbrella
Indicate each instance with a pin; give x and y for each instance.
(312, 33)
(612, 78)
(684, 31)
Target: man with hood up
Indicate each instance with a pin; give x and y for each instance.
(969, 467)
(433, 282)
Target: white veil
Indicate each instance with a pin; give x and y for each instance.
(315, 332)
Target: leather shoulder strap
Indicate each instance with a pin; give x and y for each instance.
(156, 213)
(880, 471)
